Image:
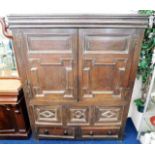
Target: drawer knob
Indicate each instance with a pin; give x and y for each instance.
(17, 111)
(8, 109)
(65, 132)
(91, 133)
(46, 132)
(109, 132)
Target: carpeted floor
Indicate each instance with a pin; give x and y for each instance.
(130, 138)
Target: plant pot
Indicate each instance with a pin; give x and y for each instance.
(140, 109)
(152, 120)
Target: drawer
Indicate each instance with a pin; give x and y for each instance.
(56, 132)
(106, 115)
(78, 116)
(48, 115)
(93, 132)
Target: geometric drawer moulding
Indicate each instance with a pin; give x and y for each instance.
(104, 115)
(78, 116)
(49, 115)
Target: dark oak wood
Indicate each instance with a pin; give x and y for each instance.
(77, 71)
(50, 21)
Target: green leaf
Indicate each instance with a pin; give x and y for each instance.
(143, 64)
(146, 12)
(139, 102)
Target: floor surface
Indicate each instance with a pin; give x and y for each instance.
(129, 138)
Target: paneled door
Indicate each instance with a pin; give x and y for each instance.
(6, 114)
(105, 63)
(51, 56)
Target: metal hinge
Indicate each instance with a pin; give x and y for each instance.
(28, 89)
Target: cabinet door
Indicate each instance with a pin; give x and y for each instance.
(51, 58)
(107, 63)
(7, 122)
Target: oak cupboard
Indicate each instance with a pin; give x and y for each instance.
(77, 71)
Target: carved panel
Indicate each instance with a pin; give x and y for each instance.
(103, 77)
(78, 116)
(7, 122)
(49, 43)
(106, 43)
(108, 115)
(48, 115)
(60, 81)
(51, 115)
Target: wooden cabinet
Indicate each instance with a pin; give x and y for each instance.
(77, 71)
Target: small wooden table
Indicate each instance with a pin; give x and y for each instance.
(14, 122)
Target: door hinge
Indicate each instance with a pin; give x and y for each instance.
(28, 89)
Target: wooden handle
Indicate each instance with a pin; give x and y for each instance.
(5, 30)
(46, 132)
(65, 132)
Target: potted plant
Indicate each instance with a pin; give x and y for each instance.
(140, 104)
(145, 66)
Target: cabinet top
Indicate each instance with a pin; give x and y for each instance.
(9, 86)
(48, 21)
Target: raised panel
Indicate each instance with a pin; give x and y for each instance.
(48, 115)
(56, 81)
(49, 43)
(7, 122)
(106, 44)
(20, 117)
(101, 83)
(103, 78)
(108, 115)
(78, 116)
(59, 80)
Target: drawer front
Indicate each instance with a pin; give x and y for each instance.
(93, 132)
(48, 115)
(108, 115)
(78, 116)
(56, 132)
